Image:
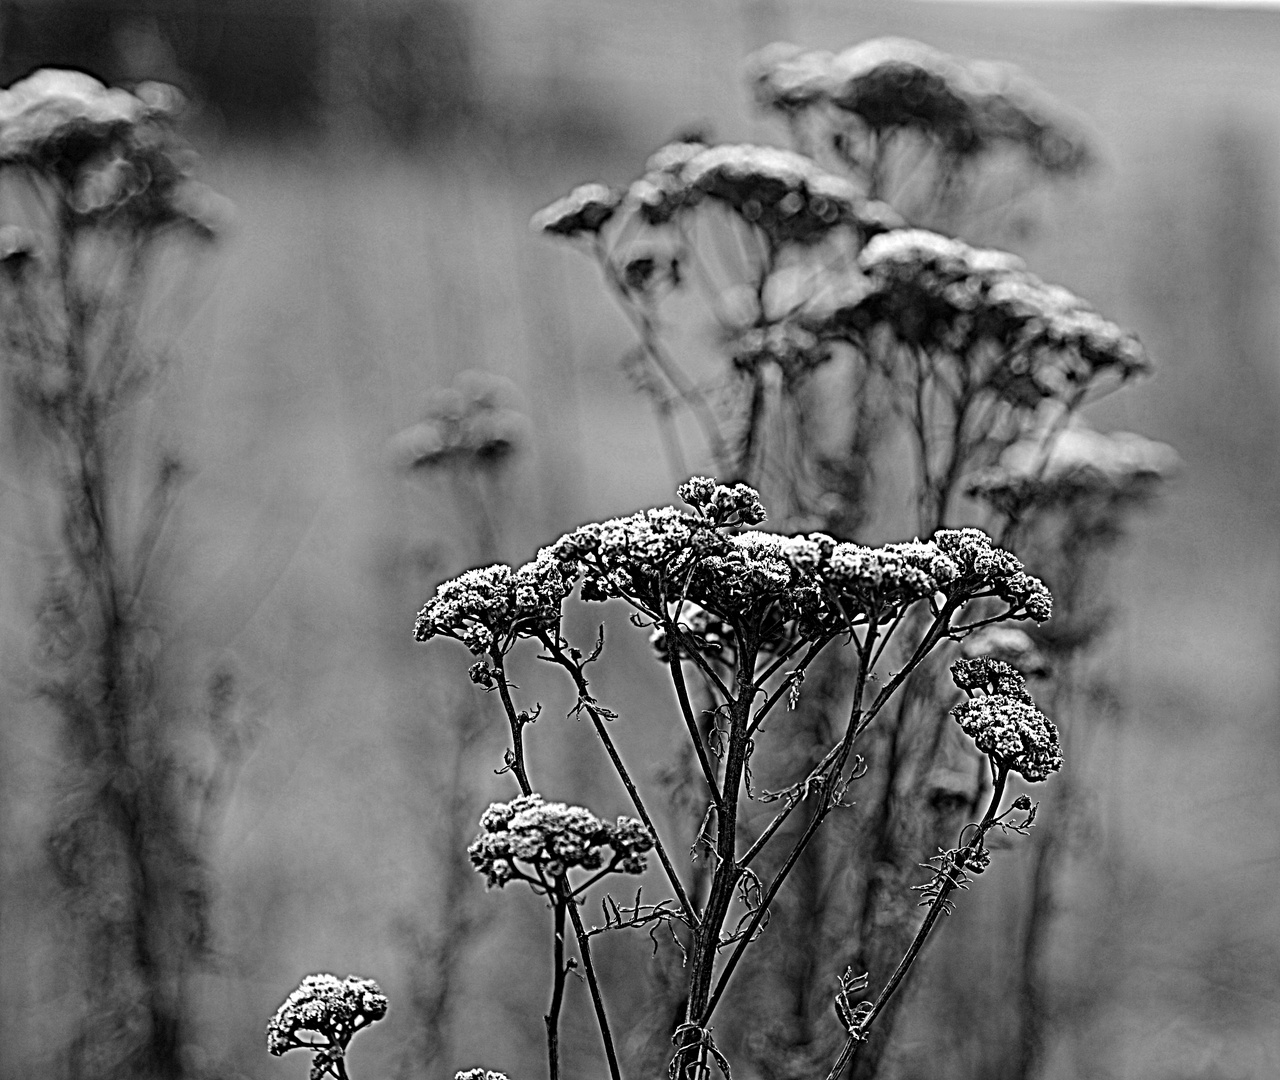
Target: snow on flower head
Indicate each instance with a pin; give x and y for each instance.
(539, 841)
(583, 212)
(324, 1005)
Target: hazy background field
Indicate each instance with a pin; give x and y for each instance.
(380, 248)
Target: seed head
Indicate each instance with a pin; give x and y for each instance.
(332, 1008)
(550, 839)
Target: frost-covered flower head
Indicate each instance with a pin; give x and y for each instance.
(1013, 110)
(539, 841)
(1002, 719)
(786, 195)
(786, 78)
(488, 608)
(895, 83)
(583, 212)
(469, 424)
(1021, 339)
(329, 1008)
(722, 505)
(114, 153)
(986, 570)
(1108, 471)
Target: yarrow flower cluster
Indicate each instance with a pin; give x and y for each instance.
(661, 557)
(488, 608)
(550, 839)
(940, 294)
(1079, 465)
(479, 1074)
(114, 151)
(786, 195)
(984, 569)
(464, 425)
(583, 212)
(1003, 721)
(333, 1009)
(895, 84)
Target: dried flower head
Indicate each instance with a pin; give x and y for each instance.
(330, 1008)
(1003, 721)
(986, 570)
(720, 505)
(468, 425)
(785, 194)
(113, 154)
(893, 83)
(479, 1074)
(1014, 111)
(488, 608)
(709, 634)
(583, 212)
(1109, 472)
(550, 839)
(1014, 734)
(788, 79)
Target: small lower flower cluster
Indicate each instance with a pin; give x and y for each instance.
(332, 1008)
(550, 839)
(1004, 722)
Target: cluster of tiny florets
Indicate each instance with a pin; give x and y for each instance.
(786, 195)
(985, 568)
(1112, 471)
(113, 151)
(889, 84)
(766, 584)
(1003, 721)
(489, 607)
(788, 346)
(479, 1074)
(720, 504)
(583, 212)
(550, 839)
(466, 425)
(327, 1006)
(1019, 338)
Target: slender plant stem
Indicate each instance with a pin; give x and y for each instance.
(598, 721)
(830, 794)
(952, 879)
(557, 988)
(691, 722)
(597, 998)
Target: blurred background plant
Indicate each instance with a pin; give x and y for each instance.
(98, 182)
(367, 272)
(851, 336)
